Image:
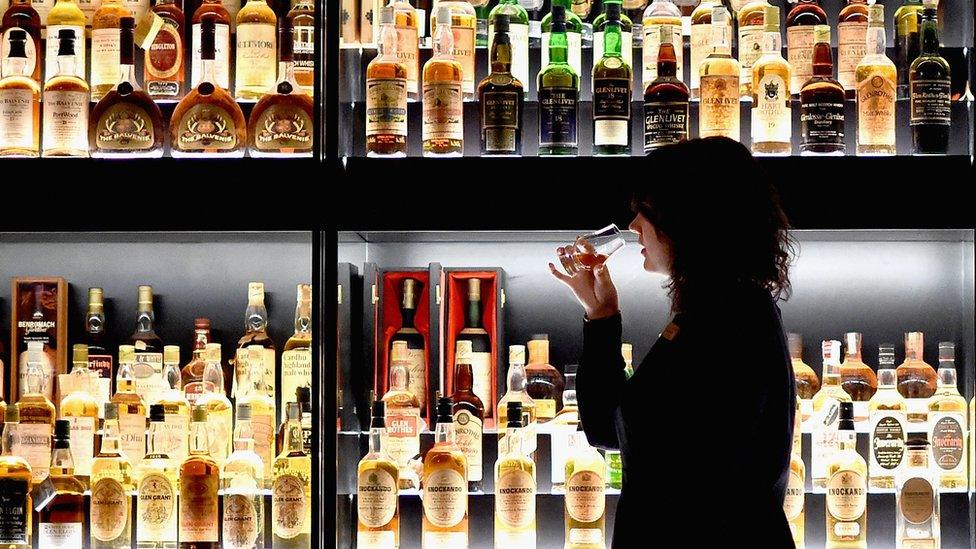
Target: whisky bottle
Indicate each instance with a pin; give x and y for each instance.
(585, 495)
(386, 95)
(63, 15)
(174, 431)
(826, 412)
(515, 487)
(156, 497)
(220, 426)
(701, 41)
(801, 23)
(262, 417)
(65, 131)
(414, 355)
(443, 127)
(517, 39)
(876, 80)
(199, 482)
(163, 65)
(192, 373)
(807, 383)
(856, 377)
(852, 30)
(751, 22)
(463, 27)
(917, 380)
(255, 335)
(21, 14)
(126, 122)
(917, 516)
(544, 382)
(47, 357)
(445, 490)
(772, 119)
(574, 36)
(821, 102)
(468, 413)
(242, 480)
(666, 117)
(947, 425)
(516, 392)
(20, 99)
(660, 12)
(889, 424)
(256, 46)
(61, 521)
(847, 488)
(291, 493)
(558, 84)
(408, 44)
(112, 481)
(793, 503)
(719, 72)
(37, 418)
(148, 365)
(500, 97)
(402, 441)
(302, 18)
(612, 90)
(100, 360)
(208, 122)
(481, 347)
(220, 60)
(296, 358)
(105, 46)
(908, 41)
(562, 429)
(131, 408)
(930, 91)
(377, 505)
(15, 488)
(81, 410)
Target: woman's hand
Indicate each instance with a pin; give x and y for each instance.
(594, 290)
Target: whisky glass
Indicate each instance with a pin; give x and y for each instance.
(590, 250)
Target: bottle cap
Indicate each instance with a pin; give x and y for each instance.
(559, 14)
(127, 23)
(613, 11)
(501, 25)
(462, 354)
(831, 351)
(96, 297)
(201, 323)
(947, 351)
(821, 34)
(386, 15)
(516, 354)
(667, 34)
(876, 15)
(914, 345)
(255, 290)
(771, 19)
(12, 414)
(157, 413)
(514, 413)
(243, 411)
(66, 42)
(846, 416)
(293, 411)
(571, 369)
(443, 16)
(539, 337)
(199, 414)
(474, 284)
(111, 410)
(145, 292)
(79, 353)
(304, 292)
(795, 343)
(171, 353)
(378, 409)
(127, 354)
(304, 396)
(62, 427)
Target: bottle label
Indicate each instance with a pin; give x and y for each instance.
(172, 436)
(51, 52)
(824, 436)
(132, 436)
(256, 46)
(948, 438)
(771, 120)
(289, 503)
(402, 439)
(799, 52)
(931, 102)
(193, 390)
(417, 369)
(652, 44)
(18, 119)
(240, 521)
(482, 384)
(137, 8)
(377, 501)
(851, 47)
(220, 431)
(101, 365)
(156, 508)
(296, 371)
(164, 61)
(793, 503)
(822, 123)
(198, 508)
(59, 535)
(515, 498)
(701, 46)
(467, 434)
(917, 500)
(375, 539)
(446, 498)
(876, 111)
(611, 109)
(30, 47)
(242, 368)
(304, 49)
(557, 120)
(887, 442)
(720, 106)
(284, 128)
(750, 50)
(82, 443)
(574, 51)
(846, 495)
(464, 53)
(221, 56)
(124, 126)
(626, 46)
(927, 543)
(585, 499)
(65, 120)
(500, 122)
(408, 53)
(518, 37)
(206, 127)
(109, 509)
(664, 124)
(443, 112)
(386, 111)
(14, 511)
(586, 536)
(148, 371)
(33, 443)
(105, 45)
(264, 438)
(545, 408)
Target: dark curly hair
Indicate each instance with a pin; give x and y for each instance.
(716, 209)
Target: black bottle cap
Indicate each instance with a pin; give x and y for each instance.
(501, 22)
(66, 42)
(62, 429)
(445, 407)
(157, 413)
(514, 414)
(558, 19)
(846, 416)
(613, 11)
(17, 38)
(286, 40)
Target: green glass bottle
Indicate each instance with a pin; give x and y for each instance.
(558, 86)
(500, 97)
(574, 35)
(908, 43)
(626, 35)
(612, 90)
(518, 36)
(930, 90)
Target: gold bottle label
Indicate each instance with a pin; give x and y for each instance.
(876, 111)
(105, 45)
(65, 120)
(445, 498)
(545, 408)
(917, 500)
(156, 508)
(18, 127)
(467, 436)
(109, 509)
(408, 54)
(148, 367)
(386, 106)
(793, 503)
(720, 106)
(377, 501)
(256, 43)
(33, 443)
(198, 508)
(515, 499)
(846, 496)
(585, 499)
(30, 48)
(206, 127)
(927, 543)
(283, 128)
(771, 120)
(124, 126)
(799, 52)
(82, 443)
(240, 522)
(442, 115)
(289, 503)
(948, 438)
(851, 47)
(164, 59)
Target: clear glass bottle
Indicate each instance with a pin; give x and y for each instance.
(156, 497)
(15, 475)
(826, 414)
(876, 80)
(403, 422)
(751, 25)
(377, 504)
(562, 429)
(131, 408)
(917, 380)
(112, 482)
(772, 118)
(66, 96)
(515, 383)
(660, 12)
(408, 44)
(947, 425)
(175, 429)
(443, 117)
(847, 488)
(585, 495)
(20, 95)
(856, 377)
(291, 493)
(515, 488)
(147, 366)
(917, 515)
(242, 480)
(220, 425)
(256, 45)
(261, 412)
(719, 76)
(887, 413)
(255, 334)
(81, 410)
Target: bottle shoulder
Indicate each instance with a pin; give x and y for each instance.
(66, 83)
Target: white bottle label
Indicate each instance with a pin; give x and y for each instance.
(17, 123)
(574, 56)
(148, 372)
(59, 535)
(799, 52)
(750, 50)
(33, 443)
(51, 51)
(156, 508)
(256, 47)
(377, 501)
(793, 503)
(771, 119)
(515, 499)
(851, 47)
(445, 498)
(105, 57)
(467, 434)
(375, 539)
(701, 46)
(585, 499)
(65, 120)
(626, 47)
(221, 56)
(82, 443)
(132, 436)
(137, 8)
(296, 371)
(652, 43)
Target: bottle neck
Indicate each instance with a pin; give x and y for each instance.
(66, 65)
(199, 444)
(244, 436)
(444, 433)
(823, 63)
(124, 381)
(720, 40)
(294, 438)
(667, 67)
(15, 66)
(303, 313)
(145, 319)
(443, 40)
(408, 315)
(513, 435)
(501, 63)
(375, 439)
(947, 376)
(558, 47)
(256, 317)
(516, 378)
(611, 39)
(388, 41)
(95, 323)
(399, 377)
(463, 378)
(930, 33)
(154, 442)
(9, 432)
(918, 458)
(474, 304)
(846, 440)
(875, 41)
(110, 437)
(61, 462)
(213, 378)
(773, 45)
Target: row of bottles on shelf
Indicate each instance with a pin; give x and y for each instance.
(127, 122)
(718, 79)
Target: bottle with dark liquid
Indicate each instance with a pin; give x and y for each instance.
(930, 90)
(800, 23)
(545, 383)
(416, 347)
(469, 414)
(822, 103)
(856, 377)
(665, 100)
(480, 358)
(908, 41)
(917, 380)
